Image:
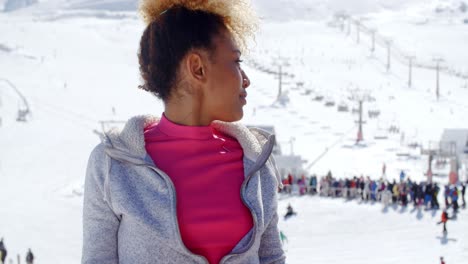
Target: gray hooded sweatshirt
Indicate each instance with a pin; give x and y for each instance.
(129, 213)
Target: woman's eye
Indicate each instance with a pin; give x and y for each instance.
(239, 61)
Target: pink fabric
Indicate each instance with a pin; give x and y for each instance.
(207, 170)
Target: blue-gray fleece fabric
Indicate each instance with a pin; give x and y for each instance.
(129, 213)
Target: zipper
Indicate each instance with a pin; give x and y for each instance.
(254, 216)
(174, 208)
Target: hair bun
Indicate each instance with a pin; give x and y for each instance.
(238, 15)
(150, 10)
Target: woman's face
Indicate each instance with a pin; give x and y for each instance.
(225, 93)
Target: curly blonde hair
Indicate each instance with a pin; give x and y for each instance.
(237, 15)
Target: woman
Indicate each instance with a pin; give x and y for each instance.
(190, 186)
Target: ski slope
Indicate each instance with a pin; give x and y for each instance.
(339, 231)
(78, 66)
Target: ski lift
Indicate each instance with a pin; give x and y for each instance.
(413, 145)
(381, 137)
(329, 102)
(402, 154)
(394, 129)
(374, 113)
(21, 116)
(318, 98)
(307, 92)
(343, 107)
(23, 106)
(381, 134)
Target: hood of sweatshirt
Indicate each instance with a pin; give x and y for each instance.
(128, 144)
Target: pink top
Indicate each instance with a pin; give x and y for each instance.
(207, 170)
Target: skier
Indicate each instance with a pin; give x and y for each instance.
(402, 175)
(442, 260)
(428, 195)
(289, 213)
(454, 198)
(396, 192)
(366, 190)
(444, 219)
(386, 197)
(29, 257)
(403, 194)
(361, 187)
(290, 183)
(313, 184)
(463, 189)
(446, 195)
(3, 251)
(290, 179)
(435, 194)
(373, 187)
(302, 185)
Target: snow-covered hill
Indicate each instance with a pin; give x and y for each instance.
(339, 231)
(77, 68)
(276, 10)
(285, 10)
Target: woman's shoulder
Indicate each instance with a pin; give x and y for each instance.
(98, 152)
(97, 158)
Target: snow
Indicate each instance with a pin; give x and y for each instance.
(285, 10)
(76, 63)
(340, 231)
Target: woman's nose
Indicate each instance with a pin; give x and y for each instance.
(245, 80)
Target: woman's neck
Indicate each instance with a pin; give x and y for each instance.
(187, 112)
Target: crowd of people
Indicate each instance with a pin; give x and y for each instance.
(403, 192)
(3, 254)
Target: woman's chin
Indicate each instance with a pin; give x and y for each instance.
(233, 117)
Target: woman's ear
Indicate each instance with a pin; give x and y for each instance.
(192, 75)
(195, 67)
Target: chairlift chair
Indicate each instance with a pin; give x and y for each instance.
(343, 107)
(22, 113)
(318, 98)
(373, 113)
(329, 103)
(381, 135)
